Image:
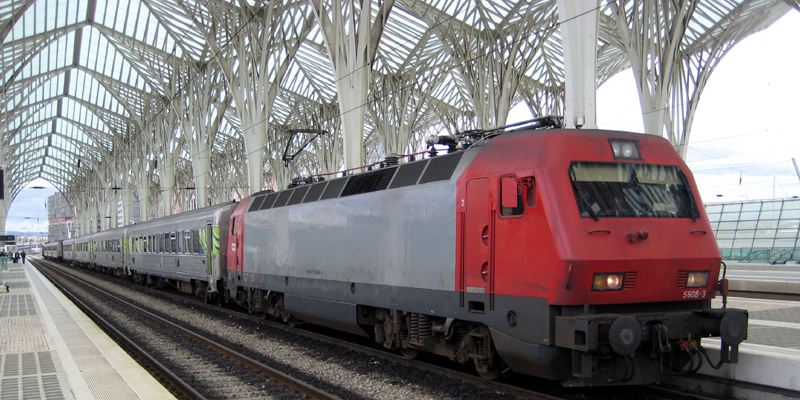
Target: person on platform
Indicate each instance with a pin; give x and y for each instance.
(23, 256)
(16, 257)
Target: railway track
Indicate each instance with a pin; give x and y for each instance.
(195, 372)
(517, 387)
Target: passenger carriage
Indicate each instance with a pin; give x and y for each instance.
(181, 250)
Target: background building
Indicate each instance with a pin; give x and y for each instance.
(59, 217)
(757, 231)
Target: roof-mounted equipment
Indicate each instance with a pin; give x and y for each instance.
(467, 139)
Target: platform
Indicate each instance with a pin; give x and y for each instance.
(49, 349)
(771, 354)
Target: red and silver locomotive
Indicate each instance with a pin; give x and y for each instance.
(578, 255)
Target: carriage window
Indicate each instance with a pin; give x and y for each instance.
(187, 240)
(173, 238)
(198, 249)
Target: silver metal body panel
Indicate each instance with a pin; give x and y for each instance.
(397, 237)
(53, 250)
(107, 259)
(183, 267)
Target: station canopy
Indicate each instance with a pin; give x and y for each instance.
(78, 75)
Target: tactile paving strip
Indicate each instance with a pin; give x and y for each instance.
(786, 314)
(29, 376)
(16, 305)
(773, 336)
(13, 275)
(15, 285)
(102, 379)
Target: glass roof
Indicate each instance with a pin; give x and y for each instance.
(76, 74)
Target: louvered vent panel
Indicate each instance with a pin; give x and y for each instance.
(298, 195)
(256, 203)
(283, 197)
(268, 201)
(630, 281)
(680, 281)
(369, 182)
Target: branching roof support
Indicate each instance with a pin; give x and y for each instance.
(579, 25)
(352, 39)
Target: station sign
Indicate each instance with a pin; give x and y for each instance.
(8, 239)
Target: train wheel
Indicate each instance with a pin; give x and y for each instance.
(409, 354)
(490, 373)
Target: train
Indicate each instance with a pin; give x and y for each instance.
(583, 256)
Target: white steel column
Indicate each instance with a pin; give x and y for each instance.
(6, 200)
(144, 195)
(253, 80)
(127, 199)
(166, 175)
(352, 40)
(3, 215)
(579, 25)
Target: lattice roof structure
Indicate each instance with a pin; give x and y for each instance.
(85, 81)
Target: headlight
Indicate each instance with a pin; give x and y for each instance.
(625, 149)
(603, 282)
(697, 279)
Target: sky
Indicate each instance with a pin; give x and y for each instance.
(743, 139)
(28, 212)
(745, 132)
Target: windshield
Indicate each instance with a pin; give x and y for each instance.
(631, 190)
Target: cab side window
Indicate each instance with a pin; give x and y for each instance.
(516, 195)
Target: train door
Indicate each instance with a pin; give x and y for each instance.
(208, 242)
(235, 248)
(478, 238)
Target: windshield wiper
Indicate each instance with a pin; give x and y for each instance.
(591, 211)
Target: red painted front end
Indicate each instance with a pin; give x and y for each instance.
(550, 251)
(236, 238)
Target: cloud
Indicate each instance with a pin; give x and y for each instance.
(28, 212)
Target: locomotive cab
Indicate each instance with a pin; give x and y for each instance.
(597, 245)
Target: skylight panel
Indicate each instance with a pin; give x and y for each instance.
(46, 90)
(88, 89)
(101, 56)
(73, 132)
(47, 59)
(60, 154)
(79, 113)
(151, 33)
(26, 116)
